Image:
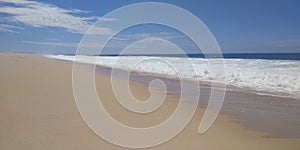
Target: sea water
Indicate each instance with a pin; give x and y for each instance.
(278, 74)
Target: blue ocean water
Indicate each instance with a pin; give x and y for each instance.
(270, 56)
(274, 56)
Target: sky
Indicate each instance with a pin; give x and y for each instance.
(239, 26)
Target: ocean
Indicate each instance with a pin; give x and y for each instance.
(266, 73)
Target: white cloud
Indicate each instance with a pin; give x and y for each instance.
(38, 14)
(90, 44)
(120, 39)
(140, 36)
(60, 44)
(164, 35)
(9, 28)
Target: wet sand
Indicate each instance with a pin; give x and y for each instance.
(38, 111)
(253, 109)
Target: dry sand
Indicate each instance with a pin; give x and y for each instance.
(38, 111)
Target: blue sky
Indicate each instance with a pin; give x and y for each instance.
(240, 26)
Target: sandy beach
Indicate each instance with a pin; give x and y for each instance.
(38, 111)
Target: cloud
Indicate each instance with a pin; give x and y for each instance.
(38, 14)
(90, 44)
(120, 39)
(141, 36)
(163, 35)
(9, 28)
(59, 44)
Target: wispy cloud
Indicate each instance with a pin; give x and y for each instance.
(38, 14)
(120, 39)
(60, 44)
(163, 35)
(91, 44)
(140, 36)
(9, 28)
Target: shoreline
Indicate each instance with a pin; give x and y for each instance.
(202, 82)
(237, 114)
(261, 101)
(38, 111)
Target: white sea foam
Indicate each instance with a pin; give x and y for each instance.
(280, 77)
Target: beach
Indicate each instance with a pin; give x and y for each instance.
(38, 111)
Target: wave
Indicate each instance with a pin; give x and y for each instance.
(279, 77)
